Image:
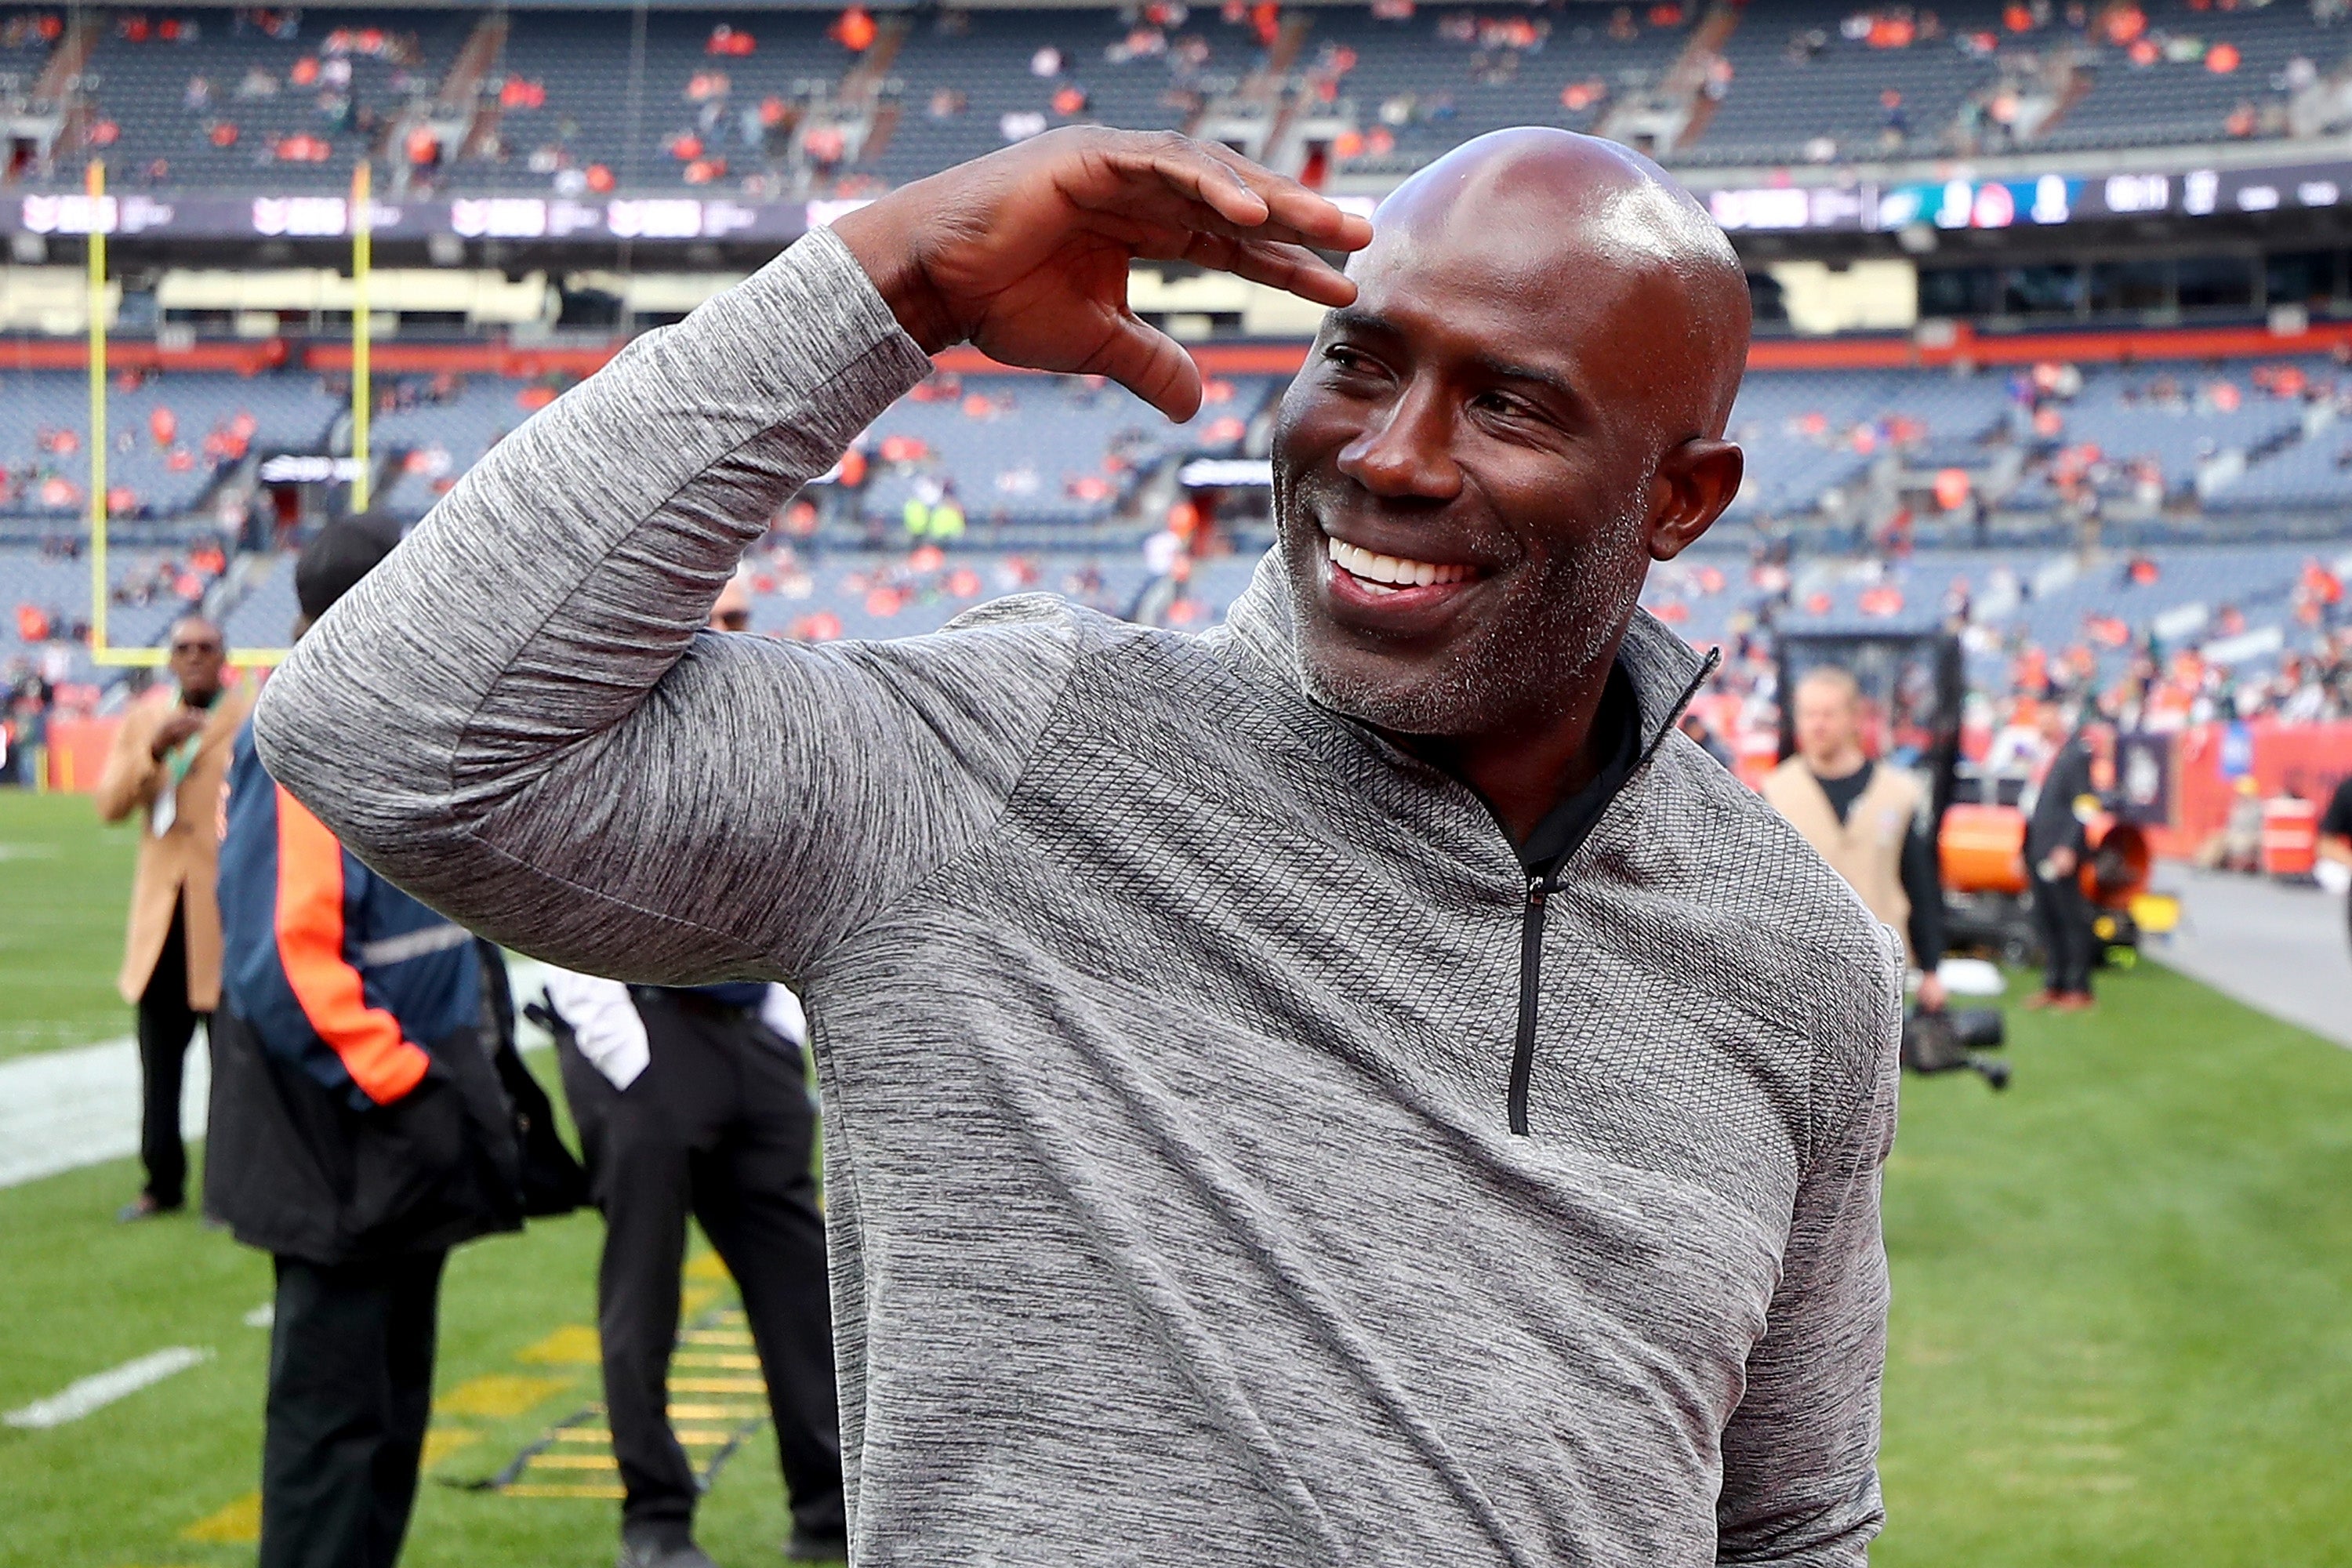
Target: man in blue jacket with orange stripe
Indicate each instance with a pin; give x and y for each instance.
(359, 1130)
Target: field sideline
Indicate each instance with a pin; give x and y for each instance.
(2122, 1329)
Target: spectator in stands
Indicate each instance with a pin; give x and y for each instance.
(167, 767)
(1214, 983)
(1894, 120)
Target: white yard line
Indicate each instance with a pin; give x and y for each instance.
(102, 1389)
(61, 1110)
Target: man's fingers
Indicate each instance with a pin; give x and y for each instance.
(1293, 268)
(1306, 218)
(1150, 365)
(1217, 184)
(1223, 193)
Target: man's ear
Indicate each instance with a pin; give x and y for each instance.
(1695, 482)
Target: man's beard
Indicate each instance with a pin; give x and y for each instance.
(1518, 667)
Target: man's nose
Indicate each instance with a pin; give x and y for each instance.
(1405, 450)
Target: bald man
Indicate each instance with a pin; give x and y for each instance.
(167, 767)
(1357, 1086)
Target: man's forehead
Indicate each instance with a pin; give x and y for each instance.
(1565, 194)
(1575, 242)
(1538, 301)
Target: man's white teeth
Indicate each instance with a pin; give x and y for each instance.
(1390, 570)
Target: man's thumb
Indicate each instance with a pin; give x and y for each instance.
(1150, 363)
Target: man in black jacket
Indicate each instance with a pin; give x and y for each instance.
(359, 1130)
(2335, 838)
(697, 1102)
(2055, 846)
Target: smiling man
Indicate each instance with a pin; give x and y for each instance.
(1359, 1086)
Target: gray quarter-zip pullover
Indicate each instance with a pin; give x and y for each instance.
(1167, 1022)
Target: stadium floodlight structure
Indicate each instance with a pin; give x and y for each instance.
(102, 651)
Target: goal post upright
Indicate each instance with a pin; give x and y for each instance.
(362, 390)
(102, 651)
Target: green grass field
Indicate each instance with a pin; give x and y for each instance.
(2122, 1334)
(65, 888)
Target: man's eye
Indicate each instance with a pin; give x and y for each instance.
(1345, 358)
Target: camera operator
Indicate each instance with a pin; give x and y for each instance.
(1868, 822)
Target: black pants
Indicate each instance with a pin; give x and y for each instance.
(719, 1124)
(166, 1024)
(350, 1387)
(2062, 916)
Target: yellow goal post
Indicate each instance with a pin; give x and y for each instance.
(102, 651)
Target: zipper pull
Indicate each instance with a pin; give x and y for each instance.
(1523, 1050)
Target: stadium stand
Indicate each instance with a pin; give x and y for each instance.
(1807, 433)
(2190, 429)
(47, 591)
(1810, 82)
(1426, 80)
(243, 98)
(2306, 474)
(1026, 450)
(435, 428)
(44, 592)
(968, 81)
(784, 103)
(874, 593)
(25, 39)
(262, 616)
(172, 434)
(2175, 72)
(722, 95)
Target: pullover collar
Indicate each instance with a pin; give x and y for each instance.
(1660, 671)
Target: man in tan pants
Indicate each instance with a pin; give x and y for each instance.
(1868, 822)
(168, 765)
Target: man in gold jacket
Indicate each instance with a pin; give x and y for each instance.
(1868, 822)
(168, 765)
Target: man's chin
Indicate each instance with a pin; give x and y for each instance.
(1415, 701)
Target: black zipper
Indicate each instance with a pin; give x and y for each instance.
(1531, 922)
(1523, 1053)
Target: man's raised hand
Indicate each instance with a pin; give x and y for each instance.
(1025, 253)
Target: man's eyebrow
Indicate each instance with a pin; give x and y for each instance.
(1552, 381)
(1352, 319)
